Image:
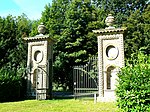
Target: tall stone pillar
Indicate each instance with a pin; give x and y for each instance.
(110, 58)
(39, 65)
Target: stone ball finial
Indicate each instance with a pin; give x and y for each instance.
(109, 21)
(41, 28)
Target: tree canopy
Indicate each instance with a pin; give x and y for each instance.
(138, 32)
(71, 23)
(13, 57)
(13, 49)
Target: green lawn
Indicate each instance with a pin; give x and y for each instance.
(65, 105)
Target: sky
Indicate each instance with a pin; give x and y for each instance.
(32, 8)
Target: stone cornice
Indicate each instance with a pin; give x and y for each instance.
(110, 31)
(39, 38)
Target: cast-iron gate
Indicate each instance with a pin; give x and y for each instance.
(85, 78)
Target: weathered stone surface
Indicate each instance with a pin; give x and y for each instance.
(39, 66)
(110, 60)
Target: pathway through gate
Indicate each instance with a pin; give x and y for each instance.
(85, 79)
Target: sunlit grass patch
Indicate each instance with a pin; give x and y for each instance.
(65, 105)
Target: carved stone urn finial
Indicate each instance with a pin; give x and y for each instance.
(41, 29)
(109, 21)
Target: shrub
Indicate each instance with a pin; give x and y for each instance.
(10, 86)
(133, 89)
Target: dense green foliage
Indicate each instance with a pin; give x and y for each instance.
(133, 90)
(10, 86)
(76, 38)
(122, 9)
(13, 50)
(71, 23)
(138, 32)
(13, 56)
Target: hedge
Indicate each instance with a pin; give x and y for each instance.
(133, 89)
(11, 87)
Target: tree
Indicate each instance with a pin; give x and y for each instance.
(14, 51)
(122, 9)
(7, 40)
(53, 16)
(138, 32)
(71, 23)
(77, 38)
(34, 26)
(13, 56)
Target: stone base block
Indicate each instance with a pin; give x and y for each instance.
(109, 96)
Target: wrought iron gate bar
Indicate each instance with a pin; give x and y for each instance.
(89, 89)
(85, 77)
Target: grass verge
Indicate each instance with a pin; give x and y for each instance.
(65, 105)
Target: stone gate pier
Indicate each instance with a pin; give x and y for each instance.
(39, 65)
(110, 58)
